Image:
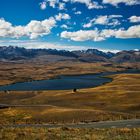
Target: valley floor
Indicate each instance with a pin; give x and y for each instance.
(113, 101)
(118, 100)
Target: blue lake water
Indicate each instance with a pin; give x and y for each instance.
(64, 82)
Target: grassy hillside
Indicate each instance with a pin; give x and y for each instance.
(113, 101)
(11, 72)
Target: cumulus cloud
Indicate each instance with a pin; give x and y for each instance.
(81, 1)
(60, 4)
(134, 19)
(109, 20)
(89, 3)
(94, 5)
(132, 32)
(126, 2)
(101, 20)
(88, 25)
(53, 4)
(78, 13)
(64, 26)
(32, 30)
(61, 16)
(82, 35)
(43, 5)
(96, 35)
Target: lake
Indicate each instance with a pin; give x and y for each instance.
(64, 82)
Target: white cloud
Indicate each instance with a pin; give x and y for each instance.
(61, 16)
(65, 0)
(81, 1)
(33, 44)
(89, 3)
(95, 5)
(40, 28)
(132, 32)
(126, 2)
(82, 35)
(78, 13)
(32, 30)
(96, 35)
(115, 16)
(134, 19)
(64, 26)
(109, 20)
(88, 25)
(43, 5)
(101, 20)
(5, 28)
(51, 3)
(61, 4)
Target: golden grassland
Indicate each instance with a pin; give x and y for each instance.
(113, 101)
(69, 134)
(11, 72)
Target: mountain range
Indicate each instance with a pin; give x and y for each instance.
(91, 55)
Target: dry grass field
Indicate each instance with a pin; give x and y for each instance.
(117, 100)
(11, 72)
(113, 101)
(69, 134)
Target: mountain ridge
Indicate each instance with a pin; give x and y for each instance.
(89, 55)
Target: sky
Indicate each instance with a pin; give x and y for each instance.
(108, 25)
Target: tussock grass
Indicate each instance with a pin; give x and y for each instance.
(113, 101)
(11, 72)
(69, 134)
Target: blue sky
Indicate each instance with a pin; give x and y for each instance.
(71, 24)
